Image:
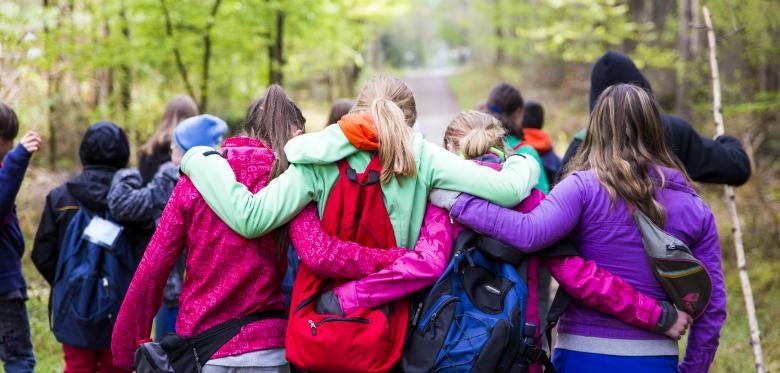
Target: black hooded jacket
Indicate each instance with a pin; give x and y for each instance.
(720, 161)
(103, 151)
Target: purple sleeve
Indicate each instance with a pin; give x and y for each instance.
(552, 220)
(705, 332)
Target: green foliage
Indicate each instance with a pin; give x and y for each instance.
(66, 63)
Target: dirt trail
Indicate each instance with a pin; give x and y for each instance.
(436, 106)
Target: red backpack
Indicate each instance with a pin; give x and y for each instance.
(366, 340)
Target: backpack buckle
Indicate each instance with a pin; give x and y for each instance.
(373, 176)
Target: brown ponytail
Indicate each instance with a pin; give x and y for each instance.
(274, 119)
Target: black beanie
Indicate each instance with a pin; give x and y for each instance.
(614, 68)
(104, 144)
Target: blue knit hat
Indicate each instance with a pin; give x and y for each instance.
(200, 130)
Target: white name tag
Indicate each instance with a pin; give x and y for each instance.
(102, 232)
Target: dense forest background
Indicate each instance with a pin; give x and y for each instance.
(67, 63)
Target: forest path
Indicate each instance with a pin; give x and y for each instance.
(436, 105)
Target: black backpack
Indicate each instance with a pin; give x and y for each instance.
(178, 354)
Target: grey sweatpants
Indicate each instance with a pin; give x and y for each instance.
(220, 369)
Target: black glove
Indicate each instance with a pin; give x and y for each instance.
(667, 319)
(328, 304)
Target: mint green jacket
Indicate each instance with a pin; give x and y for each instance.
(313, 172)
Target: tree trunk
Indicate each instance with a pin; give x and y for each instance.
(275, 52)
(52, 94)
(744, 279)
(176, 52)
(126, 77)
(204, 82)
(499, 32)
(681, 106)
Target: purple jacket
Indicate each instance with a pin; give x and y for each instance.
(581, 208)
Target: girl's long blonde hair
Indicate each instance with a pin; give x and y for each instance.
(391, 105)
(473, 133)
(177, 110)
(624, 146)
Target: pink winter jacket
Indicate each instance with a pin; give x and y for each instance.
(227, 276)
(421, 267)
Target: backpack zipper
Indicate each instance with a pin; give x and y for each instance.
(436, 312)
(314, 325)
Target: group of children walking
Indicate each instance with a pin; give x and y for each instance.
(210, 248)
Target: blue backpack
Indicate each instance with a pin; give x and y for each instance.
(473, 318)
(89, 285)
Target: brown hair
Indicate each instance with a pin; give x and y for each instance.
(391, 105)
(473, 133)
(177, 110)
(273, 119)
(503, 101)
(9, 123)
(339, 108)
(624, 143)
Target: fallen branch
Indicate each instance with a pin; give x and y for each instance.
(747, 291)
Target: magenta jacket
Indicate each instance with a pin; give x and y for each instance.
(581, 208)
(227, 276)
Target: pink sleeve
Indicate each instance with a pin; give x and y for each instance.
(414, 271)
(145, 294)
(331, 257)
(599, 289)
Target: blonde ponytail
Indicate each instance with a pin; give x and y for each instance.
(395, 140)
(473, 133)
(391, 105)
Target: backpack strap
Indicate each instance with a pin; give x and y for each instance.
(374, 169)
(205, 344)
(535, 354)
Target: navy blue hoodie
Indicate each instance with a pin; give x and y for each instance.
(11, 239)
(720, 161)
(104, 149)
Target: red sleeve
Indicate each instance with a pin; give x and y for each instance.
(599, 289)
(331, 257)
(145, 294)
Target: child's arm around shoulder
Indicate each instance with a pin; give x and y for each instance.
(554, 218)
(416, 270)
(331, 257)
(250, 215)
(445, 170)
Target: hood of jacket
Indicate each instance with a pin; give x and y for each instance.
(352, 134)
(614, 68)
(104, 144)
(538, 139)
(91, 187)
(251, 160)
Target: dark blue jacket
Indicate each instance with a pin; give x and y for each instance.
(719, 161)
(11, 239)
